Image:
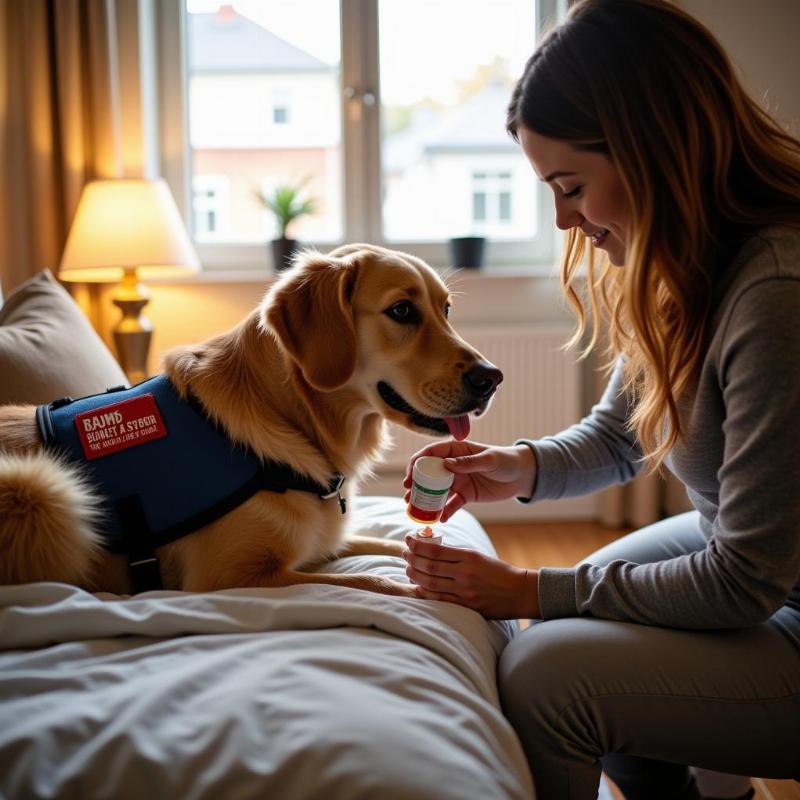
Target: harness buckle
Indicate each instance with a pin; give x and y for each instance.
(143, 561)
(335, 488)
(336, 491)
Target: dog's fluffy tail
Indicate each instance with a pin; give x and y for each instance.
(47, 512)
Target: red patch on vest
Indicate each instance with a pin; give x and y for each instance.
(119, 426)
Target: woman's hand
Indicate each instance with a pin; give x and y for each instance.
(491, 587)
(483, 472)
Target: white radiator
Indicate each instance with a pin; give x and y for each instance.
(540, 393)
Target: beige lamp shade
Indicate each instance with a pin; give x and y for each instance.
(123, 224)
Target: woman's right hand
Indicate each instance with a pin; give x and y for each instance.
(482, 472)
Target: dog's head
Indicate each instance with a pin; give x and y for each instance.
(375, 320)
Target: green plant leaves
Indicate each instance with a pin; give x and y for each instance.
(287, 203)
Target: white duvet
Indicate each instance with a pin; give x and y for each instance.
(296, 693)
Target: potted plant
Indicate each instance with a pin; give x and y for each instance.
(287, 203)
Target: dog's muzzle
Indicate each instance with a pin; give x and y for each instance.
(482, 379)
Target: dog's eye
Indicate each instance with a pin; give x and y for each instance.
(404, 311)
(447, 309)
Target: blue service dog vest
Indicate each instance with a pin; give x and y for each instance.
(162, 468)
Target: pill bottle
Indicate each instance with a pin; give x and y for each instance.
(430, 484)
(426, 534)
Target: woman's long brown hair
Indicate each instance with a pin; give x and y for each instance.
(702, 165)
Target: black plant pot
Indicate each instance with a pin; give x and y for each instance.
(467, 251)
(283, 250)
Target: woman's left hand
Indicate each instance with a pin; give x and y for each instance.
(491, 587)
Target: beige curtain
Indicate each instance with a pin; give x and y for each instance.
(70, 111)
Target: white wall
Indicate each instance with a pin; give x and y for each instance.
(762, 39)
(230, 111)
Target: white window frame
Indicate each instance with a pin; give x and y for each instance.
(360, 145)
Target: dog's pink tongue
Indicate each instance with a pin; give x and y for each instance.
(459, 426)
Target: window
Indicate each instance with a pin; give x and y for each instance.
(280, 107)
(210, 207)
(491, 205)
(390, 116)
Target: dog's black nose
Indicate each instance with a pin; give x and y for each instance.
(483, 378)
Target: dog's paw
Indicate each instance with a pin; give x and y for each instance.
(398, 589)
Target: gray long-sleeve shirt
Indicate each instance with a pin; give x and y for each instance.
(739, 459)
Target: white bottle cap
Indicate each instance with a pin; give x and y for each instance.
(430, 472)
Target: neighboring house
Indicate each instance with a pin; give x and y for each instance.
(262, 111)
(457, 172)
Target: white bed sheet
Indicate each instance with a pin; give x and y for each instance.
(297, 693)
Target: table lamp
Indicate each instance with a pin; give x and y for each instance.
(124, 230)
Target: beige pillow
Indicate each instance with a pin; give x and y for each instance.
(48, 349)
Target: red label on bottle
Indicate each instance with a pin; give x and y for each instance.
(118, 426)
(423, 515)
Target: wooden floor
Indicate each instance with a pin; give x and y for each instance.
(562, 544)
(551, 544)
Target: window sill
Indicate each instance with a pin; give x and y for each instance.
(261, 276)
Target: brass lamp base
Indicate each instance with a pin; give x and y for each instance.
(133, 332)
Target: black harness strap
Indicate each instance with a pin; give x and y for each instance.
(277, 477)
(142, 561)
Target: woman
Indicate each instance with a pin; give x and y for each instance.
(678, 644)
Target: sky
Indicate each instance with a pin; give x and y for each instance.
(426, 45)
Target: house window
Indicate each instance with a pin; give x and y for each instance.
(210, 207)
(280, 108)
(479, 206)
(386, 129)
(491, 200)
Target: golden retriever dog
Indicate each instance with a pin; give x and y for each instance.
(340, 344)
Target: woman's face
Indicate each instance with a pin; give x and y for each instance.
(588, 191)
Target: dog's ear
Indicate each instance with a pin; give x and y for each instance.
(310, 312)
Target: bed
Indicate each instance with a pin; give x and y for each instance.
(301, 692)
